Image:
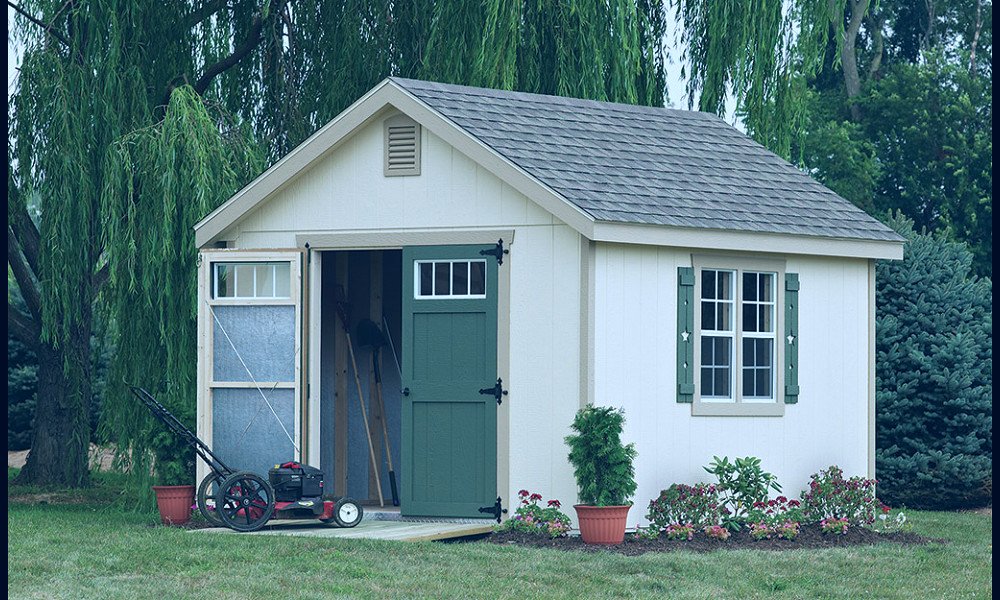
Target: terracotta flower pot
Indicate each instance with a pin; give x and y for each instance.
(602, 524)
(174, 502)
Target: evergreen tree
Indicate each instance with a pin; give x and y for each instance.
(934, 375)
(22, 383)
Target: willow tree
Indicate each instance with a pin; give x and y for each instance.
(132, 120)
(758, 51)
(93, 75)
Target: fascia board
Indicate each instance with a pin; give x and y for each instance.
(328, 138)
(745, 241)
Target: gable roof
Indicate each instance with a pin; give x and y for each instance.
(608, 170)
(639, 164)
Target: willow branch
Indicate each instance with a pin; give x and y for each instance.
(24, 229)
(253, 38)
(22, 274)
(207, 10)
(100, 278)
(45, 26)
(25, 329)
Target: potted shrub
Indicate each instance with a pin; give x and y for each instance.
(174, 466)
(604, 473)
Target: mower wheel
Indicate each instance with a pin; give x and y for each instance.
(207, 492)
(245, 501)
(347, 512)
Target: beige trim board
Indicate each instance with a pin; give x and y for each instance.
(871, 369)
(744, 241)
(386, 239)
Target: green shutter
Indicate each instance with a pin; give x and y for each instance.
(685, 334)
(791, 338)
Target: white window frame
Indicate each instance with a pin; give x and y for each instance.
(274, 268)
(737, 403)
(451, 262)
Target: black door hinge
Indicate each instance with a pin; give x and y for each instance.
(497, 252)
(496, 391)
(496, 510)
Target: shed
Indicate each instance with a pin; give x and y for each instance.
(525, 255)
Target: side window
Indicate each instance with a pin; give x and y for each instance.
(731, 345)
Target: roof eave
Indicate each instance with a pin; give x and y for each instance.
(746, 241)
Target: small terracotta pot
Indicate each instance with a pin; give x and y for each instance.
(602, 524)
(174, 502)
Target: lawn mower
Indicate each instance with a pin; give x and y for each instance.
(246, 501)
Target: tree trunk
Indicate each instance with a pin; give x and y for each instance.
(61, 438)
(849, 57)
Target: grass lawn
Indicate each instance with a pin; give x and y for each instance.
(96, 547)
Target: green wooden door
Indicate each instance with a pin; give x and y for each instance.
(449, 437)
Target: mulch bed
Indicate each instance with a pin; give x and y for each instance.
(810, 536)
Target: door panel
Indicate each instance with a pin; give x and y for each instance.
(449, 353)
(250, 317)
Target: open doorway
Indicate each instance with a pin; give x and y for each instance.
(365, 287)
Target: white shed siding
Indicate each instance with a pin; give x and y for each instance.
(544, 359)
(346, 191)
(635, 347)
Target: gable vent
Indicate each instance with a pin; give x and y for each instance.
(402, 147)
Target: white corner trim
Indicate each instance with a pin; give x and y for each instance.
(871, 369)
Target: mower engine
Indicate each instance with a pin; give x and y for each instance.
(294, 481)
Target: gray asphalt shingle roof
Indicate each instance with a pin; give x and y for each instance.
(636, 164)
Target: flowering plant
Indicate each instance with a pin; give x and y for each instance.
(760, 531)
(646, 533)
(834, 525)
(532, 518)
(699, 504)
(886, 523)
(776, 511)
(717, 532)
(788, 530)
(831, 496)
(679, 531)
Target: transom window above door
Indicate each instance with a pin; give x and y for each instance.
(251, 280)
(441, 279)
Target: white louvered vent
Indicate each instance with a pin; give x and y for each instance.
(402, 147)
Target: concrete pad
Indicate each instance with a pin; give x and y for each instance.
(402, 531)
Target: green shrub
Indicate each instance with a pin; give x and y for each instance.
(742, 484)
(698, 504)
(830, 496)
(532, 518)
(22, 386)
(934, 376)
(601, 462)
